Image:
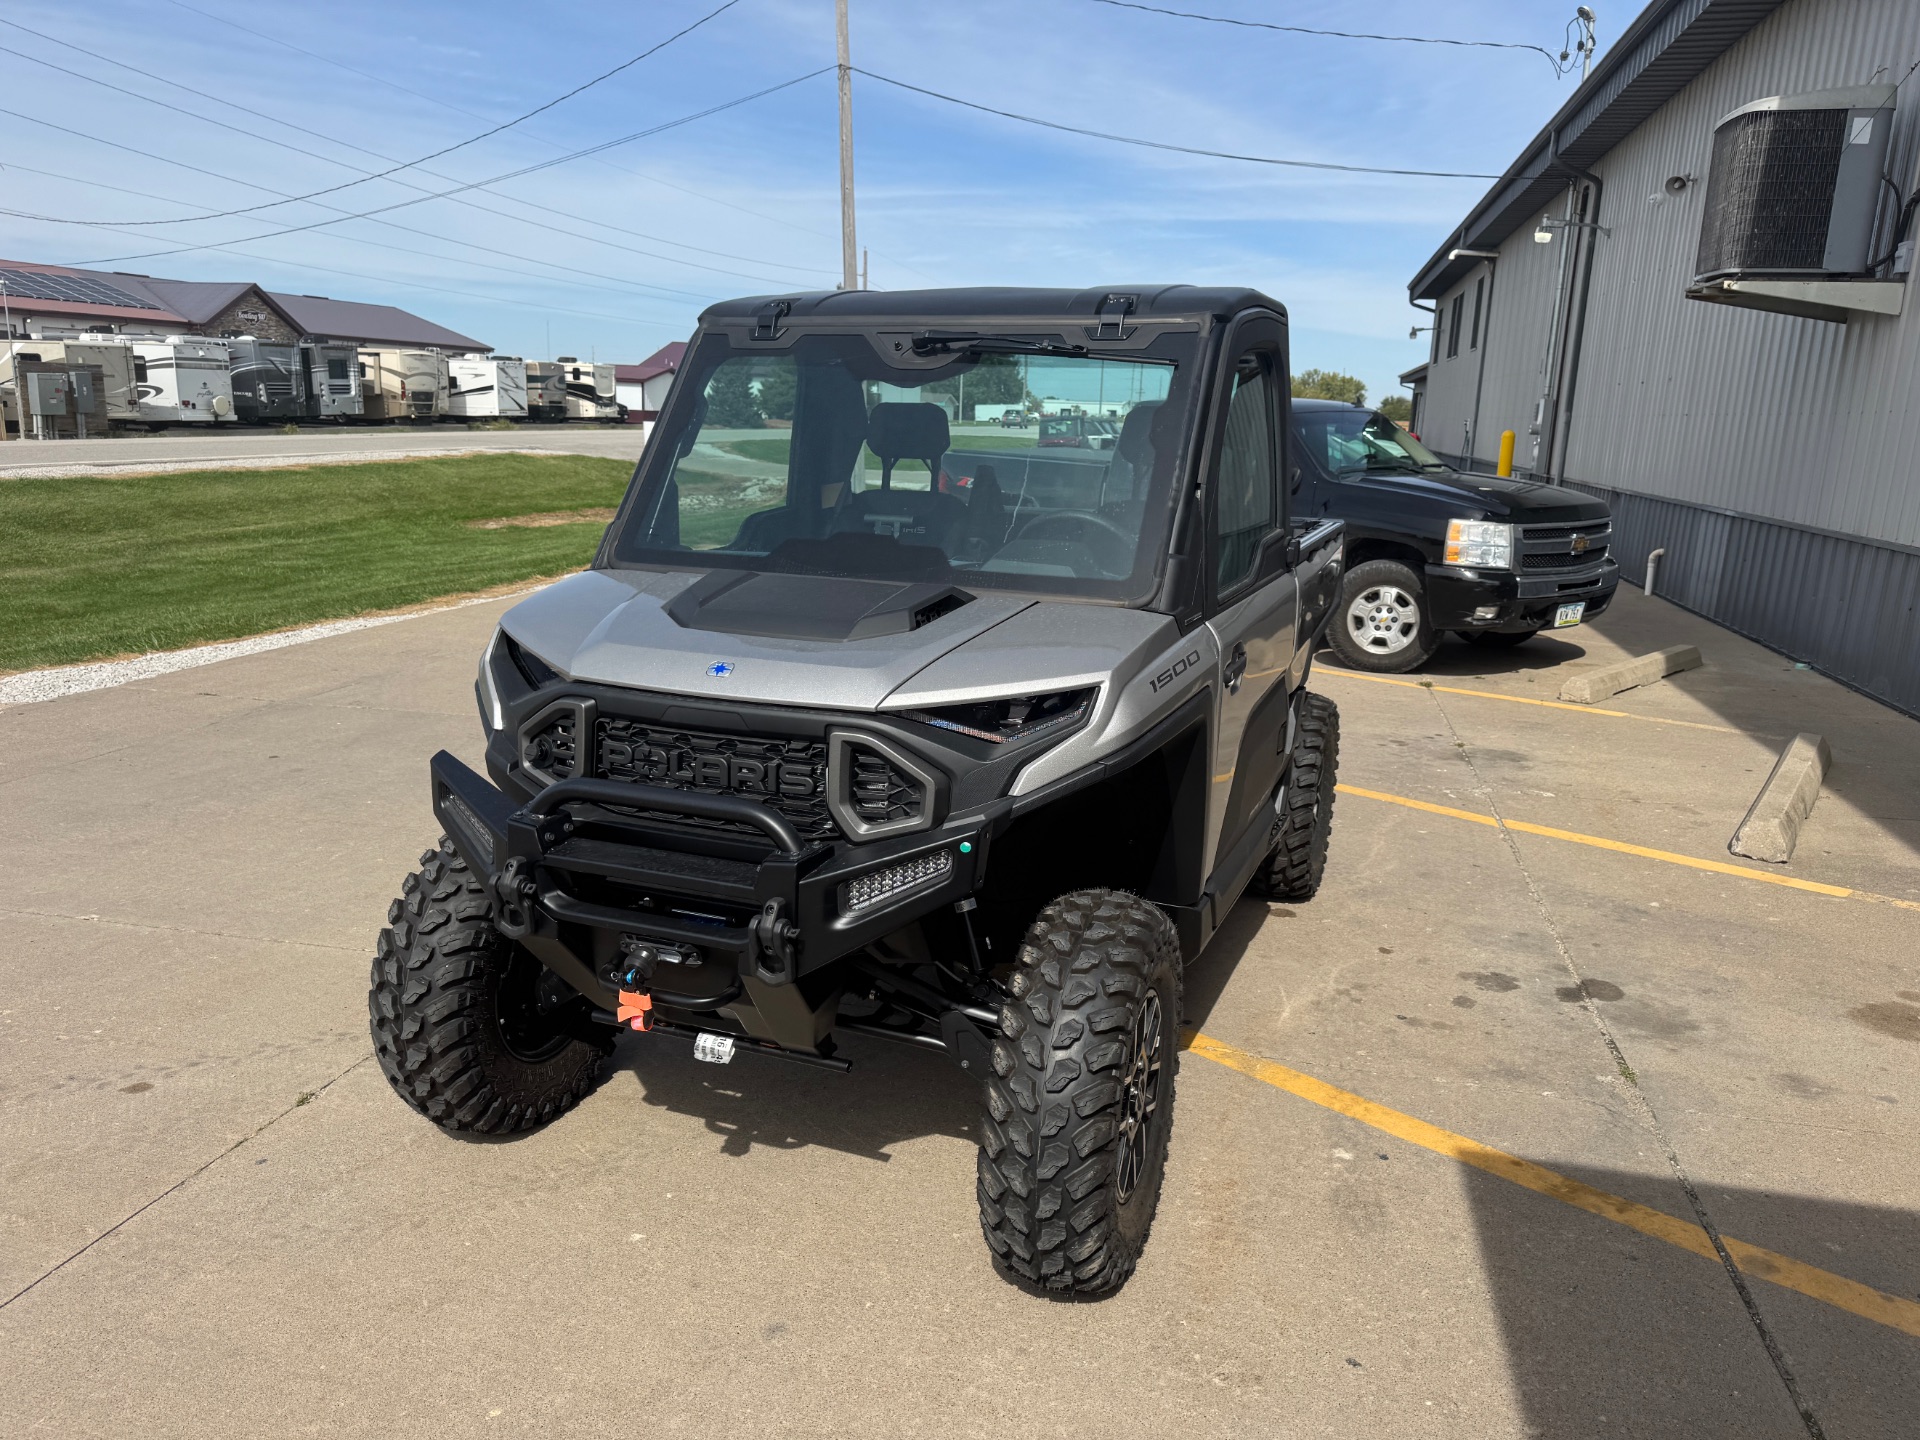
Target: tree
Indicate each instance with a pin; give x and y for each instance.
(1329, 385)
(1397, 408)
(730, 402)
(996, 380)
(777, 390)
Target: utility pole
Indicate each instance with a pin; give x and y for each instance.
(849, 251)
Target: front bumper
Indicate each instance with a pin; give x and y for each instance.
(1518, 601)
(586, 871)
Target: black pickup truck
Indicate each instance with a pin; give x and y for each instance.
(1430, 549)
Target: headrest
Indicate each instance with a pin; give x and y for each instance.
(1134, 430)
(901, 430)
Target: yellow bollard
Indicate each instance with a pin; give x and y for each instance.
(1505, 467)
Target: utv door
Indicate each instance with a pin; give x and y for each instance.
(1253, 601)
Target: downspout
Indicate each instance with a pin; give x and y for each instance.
(1546, 411)
(1577, 333)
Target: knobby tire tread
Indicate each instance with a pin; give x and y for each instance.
(1050, 1136)
(431, 1004)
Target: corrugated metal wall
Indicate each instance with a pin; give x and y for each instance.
(1848, 606)
(1684, 410)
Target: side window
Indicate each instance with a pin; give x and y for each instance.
(1479, 294)
(1453, 325)
(1245, 489)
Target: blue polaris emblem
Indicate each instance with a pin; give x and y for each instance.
(720, 668)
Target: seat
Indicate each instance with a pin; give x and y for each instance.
(907, 430)
(896, 431)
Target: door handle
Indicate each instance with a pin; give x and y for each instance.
(1236, 669)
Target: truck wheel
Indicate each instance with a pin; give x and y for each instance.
(1381, 622)
(471, 1029)
(1500, 639)
(1292, 872)
(1073, 1145)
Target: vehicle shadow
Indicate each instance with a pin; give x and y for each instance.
(893, 1094)
(1609, 1332)
(1206, 978)
(1457, 659)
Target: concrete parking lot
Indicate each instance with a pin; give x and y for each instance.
(1459, 1152)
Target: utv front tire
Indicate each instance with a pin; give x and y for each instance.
(1292, 872)
(470, 1029)
(1080, 1102)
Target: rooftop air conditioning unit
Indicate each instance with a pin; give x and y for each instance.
(1794, 185)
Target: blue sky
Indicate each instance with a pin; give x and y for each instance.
(632, 243)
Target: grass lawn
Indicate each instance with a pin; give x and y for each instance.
(97, 567)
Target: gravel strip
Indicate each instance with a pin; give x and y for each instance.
(250, 462)
(32, 686)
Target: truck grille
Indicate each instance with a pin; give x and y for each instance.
(1564, 547)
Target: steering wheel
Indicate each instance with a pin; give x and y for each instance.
(1083, 518)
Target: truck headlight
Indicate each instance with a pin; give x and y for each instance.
(1479, 544)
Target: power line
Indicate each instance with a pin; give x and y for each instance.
(443, 194)
(664, 290)
(1178, 149)
(1558, 68)
(519, 271)
(347, 144)
(476, 115)
(447, 149)
(316, 155)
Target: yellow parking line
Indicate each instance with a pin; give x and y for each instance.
(1718, 867)
(1776, 1269)
(1526, 700)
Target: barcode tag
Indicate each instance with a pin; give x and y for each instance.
(1862, 130)
(714, 1049)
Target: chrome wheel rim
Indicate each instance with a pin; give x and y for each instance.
(1383, 619)
(1140, 1093)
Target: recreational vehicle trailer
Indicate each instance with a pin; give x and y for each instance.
(403, 384)
(333, 379)
(269, 381)
(591, 391)
(492, 387)
(546, 390)
(182, 380)
(112, 355)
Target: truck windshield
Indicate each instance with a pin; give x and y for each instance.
(823, 458)
(1347, 442)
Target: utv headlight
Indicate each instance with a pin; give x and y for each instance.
(1480, 544)
(508, 670)
(1000, 722)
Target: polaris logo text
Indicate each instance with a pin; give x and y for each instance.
(1174, 671)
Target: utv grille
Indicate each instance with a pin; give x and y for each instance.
(883, 793)
(790, 776)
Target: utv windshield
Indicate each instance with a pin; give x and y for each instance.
(824, 458)
(1350, 442)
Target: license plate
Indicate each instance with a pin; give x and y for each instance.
(1569, 614)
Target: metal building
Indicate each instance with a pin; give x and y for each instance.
(1763, 441)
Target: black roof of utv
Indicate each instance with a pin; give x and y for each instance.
(994, 305)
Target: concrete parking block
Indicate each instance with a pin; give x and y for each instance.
(1596, 685)
(1772, 825)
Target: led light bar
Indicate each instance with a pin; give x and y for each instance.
(876, 887)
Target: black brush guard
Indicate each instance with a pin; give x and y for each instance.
(775, 925)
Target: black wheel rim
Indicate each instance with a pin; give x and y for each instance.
(528, 1009)
(1140, 1093)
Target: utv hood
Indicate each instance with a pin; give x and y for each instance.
(807, 640)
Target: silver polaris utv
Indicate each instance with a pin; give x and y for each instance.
(870, 718)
